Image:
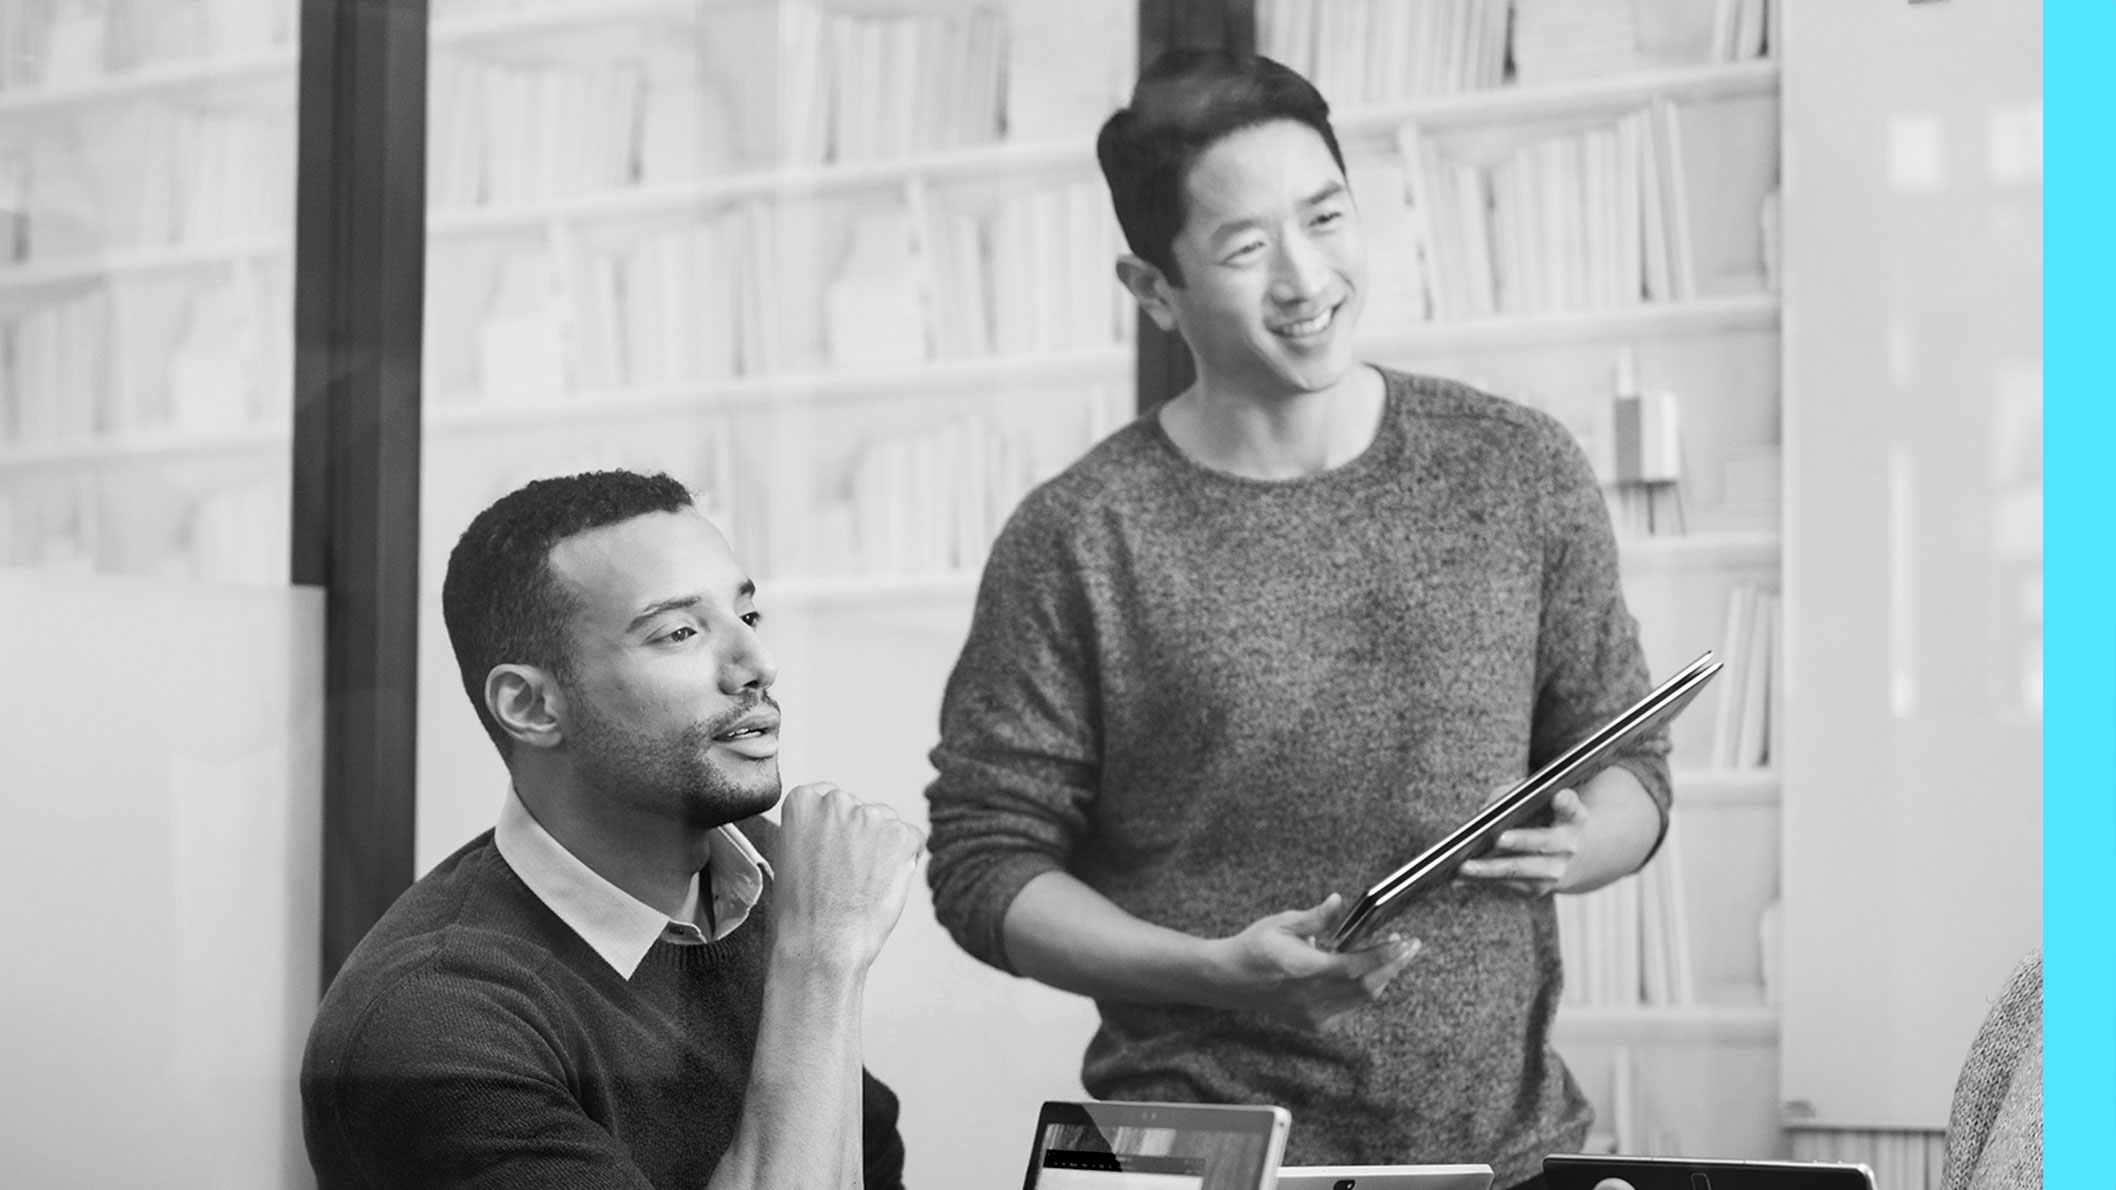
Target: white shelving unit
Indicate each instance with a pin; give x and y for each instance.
(1695, 1075)
(146, 294)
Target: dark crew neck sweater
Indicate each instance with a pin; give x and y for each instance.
(473, 1039)
(1214, 698)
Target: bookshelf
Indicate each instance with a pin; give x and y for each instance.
(146, 286)
(790, 439)
(876, 339)
(1602, 223)
(769, 269)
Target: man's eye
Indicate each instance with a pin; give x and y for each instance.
(678, 634)
(1326, 218)
(753, 618)
(1246, 249)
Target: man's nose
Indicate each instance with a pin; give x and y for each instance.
(1299, 269)
(749, 663)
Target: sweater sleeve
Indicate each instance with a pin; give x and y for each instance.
(1019, 749)
(1589, 664)
(453, 1082)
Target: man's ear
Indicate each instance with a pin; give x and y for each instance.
(527, 704)
(1149, 288)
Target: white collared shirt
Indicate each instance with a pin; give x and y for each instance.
(619, 926)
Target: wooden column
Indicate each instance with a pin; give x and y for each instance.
(360, 246)
(1162, 365)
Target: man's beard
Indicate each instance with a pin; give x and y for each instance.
(675, 770)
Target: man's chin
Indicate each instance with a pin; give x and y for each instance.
(732, 798)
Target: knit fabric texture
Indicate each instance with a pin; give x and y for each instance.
(473, 1039)
(1213, 698)
(1995, 1129)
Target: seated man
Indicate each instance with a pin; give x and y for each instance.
(633, 980)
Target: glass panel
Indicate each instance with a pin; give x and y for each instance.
(163, 755)
(844, 268)
(160, 877)
(1913, 819)
(146, 301)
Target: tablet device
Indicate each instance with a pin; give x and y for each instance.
(1385, 1177)
(1436, 864)
(1115, 1145)
(1568, 1171)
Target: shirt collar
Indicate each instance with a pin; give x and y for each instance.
(617, 925)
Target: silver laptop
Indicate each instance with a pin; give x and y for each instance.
(1384, 1177)
(1156, 1146)
(1571, 1171)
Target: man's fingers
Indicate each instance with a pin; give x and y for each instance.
(1380, 977)
(1567, 806)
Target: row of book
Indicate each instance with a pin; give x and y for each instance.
(1746, 721)
(49, 44)
(147, 177)
(1901, 1158)
(1031, 273)
(1627, 944)
(234, 533)
(1560, 40)
(54, 533)
(55, 367)
(1362, 52)
(1368, 52)
(141, 355)
(864, 86)
(1589, 220)
(238, 534)
(505, 132)
(927, 502)
(1744, 29)
(741, 292)
(849, 87)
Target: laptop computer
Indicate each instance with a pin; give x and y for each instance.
(1577, 1171)
(1384, 1177)
(1156, 1146)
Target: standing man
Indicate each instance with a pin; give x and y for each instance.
(633, 980)
(1267, 642)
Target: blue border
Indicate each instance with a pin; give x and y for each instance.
(2079, 803)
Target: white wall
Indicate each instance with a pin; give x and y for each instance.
(160, 787)
(1913, 330)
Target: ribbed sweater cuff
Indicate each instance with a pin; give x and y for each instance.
(981, 928)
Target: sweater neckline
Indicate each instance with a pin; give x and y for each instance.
(1385, 446)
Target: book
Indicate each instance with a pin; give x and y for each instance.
(1735, 640)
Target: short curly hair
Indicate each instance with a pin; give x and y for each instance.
(500, 600)
(1185, 102)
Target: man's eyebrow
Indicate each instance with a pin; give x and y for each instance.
(674, 603)
(1330, 189)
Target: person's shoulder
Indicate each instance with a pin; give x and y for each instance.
(1468, 409)
(466, 936)
(1108, 472)
(1478, 428)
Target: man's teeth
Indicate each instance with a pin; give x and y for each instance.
(1311, 325)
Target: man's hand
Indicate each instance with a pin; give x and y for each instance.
(1535, 860)
(845, 867)
(1274, 967)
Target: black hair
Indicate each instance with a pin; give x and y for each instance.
(1183, 104)
(500, 600)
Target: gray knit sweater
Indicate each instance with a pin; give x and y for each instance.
(1213, 698)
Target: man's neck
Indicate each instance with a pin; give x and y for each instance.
(645, 857)
(1276, 436)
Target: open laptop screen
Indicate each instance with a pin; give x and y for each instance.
(1155, 1146)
